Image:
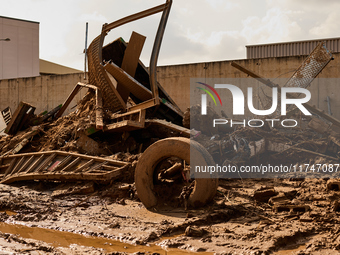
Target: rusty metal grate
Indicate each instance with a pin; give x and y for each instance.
(311, 67)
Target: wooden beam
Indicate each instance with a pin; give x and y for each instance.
(68, 101)
(99, 110)
(16, 121)
(135, 88)
(254, 75)
(130, 61)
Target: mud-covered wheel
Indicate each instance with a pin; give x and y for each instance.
(204, 189)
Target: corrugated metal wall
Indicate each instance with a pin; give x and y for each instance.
(290, 48)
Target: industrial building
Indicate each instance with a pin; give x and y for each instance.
(27, 77)
(19, 51)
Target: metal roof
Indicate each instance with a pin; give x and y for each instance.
(286, 49)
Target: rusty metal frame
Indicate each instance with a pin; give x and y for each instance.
(127, 121)
(165, 8)
(99, 103)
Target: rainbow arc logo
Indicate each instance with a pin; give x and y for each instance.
(209, 93)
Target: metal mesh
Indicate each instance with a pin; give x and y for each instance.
(304, 75)
(311, 67)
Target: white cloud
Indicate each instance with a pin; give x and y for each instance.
(327, 27)
(197, 30)
(276, 26)
(222, 4)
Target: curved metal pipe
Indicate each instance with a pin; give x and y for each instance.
(107, 27)
(156, 49)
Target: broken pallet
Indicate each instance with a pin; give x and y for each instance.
(59, 165)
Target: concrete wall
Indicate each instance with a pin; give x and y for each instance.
(46, 92)
(43, 92)
(19, 57)
(176, 79)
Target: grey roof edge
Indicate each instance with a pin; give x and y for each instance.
(20, 19)
(302, 41)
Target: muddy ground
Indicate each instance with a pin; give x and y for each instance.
(247, 216)
(234, 223)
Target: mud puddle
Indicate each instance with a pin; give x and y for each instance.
(8, 212)
(65, 239)
(291, 250)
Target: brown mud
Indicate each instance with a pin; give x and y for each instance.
(234, 223)
(247, 216)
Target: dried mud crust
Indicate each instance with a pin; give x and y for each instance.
(234, 223)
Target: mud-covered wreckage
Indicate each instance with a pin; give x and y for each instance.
(127, 126)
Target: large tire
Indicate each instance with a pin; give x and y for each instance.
(204, 189)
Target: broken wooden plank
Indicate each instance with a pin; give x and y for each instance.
(170, 172)
(26, 164)
(26, 118)
(257, 147)
(115, 52)
(130, 61)
(13, 126)
(63, 163)
(18, 165)
(99, 110)
(84, 166)
(96, 167)
(72, 164)
(68, 101)
(23, 142)
(254, 75)
(274, 146)
(135, 88)
(46, 162)
(315, 153)
(127, 121)
(322, 114)
(35, 164)
(318, 125)
(125, 125)
(11, 166)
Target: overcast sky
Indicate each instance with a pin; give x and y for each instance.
(197, 30)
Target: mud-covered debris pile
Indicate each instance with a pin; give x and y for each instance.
(75, 132)
(313, 142)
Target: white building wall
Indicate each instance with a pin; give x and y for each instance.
(19, 57)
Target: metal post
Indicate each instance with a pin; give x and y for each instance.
(156, 49)
(329, 105)
(85, 50)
